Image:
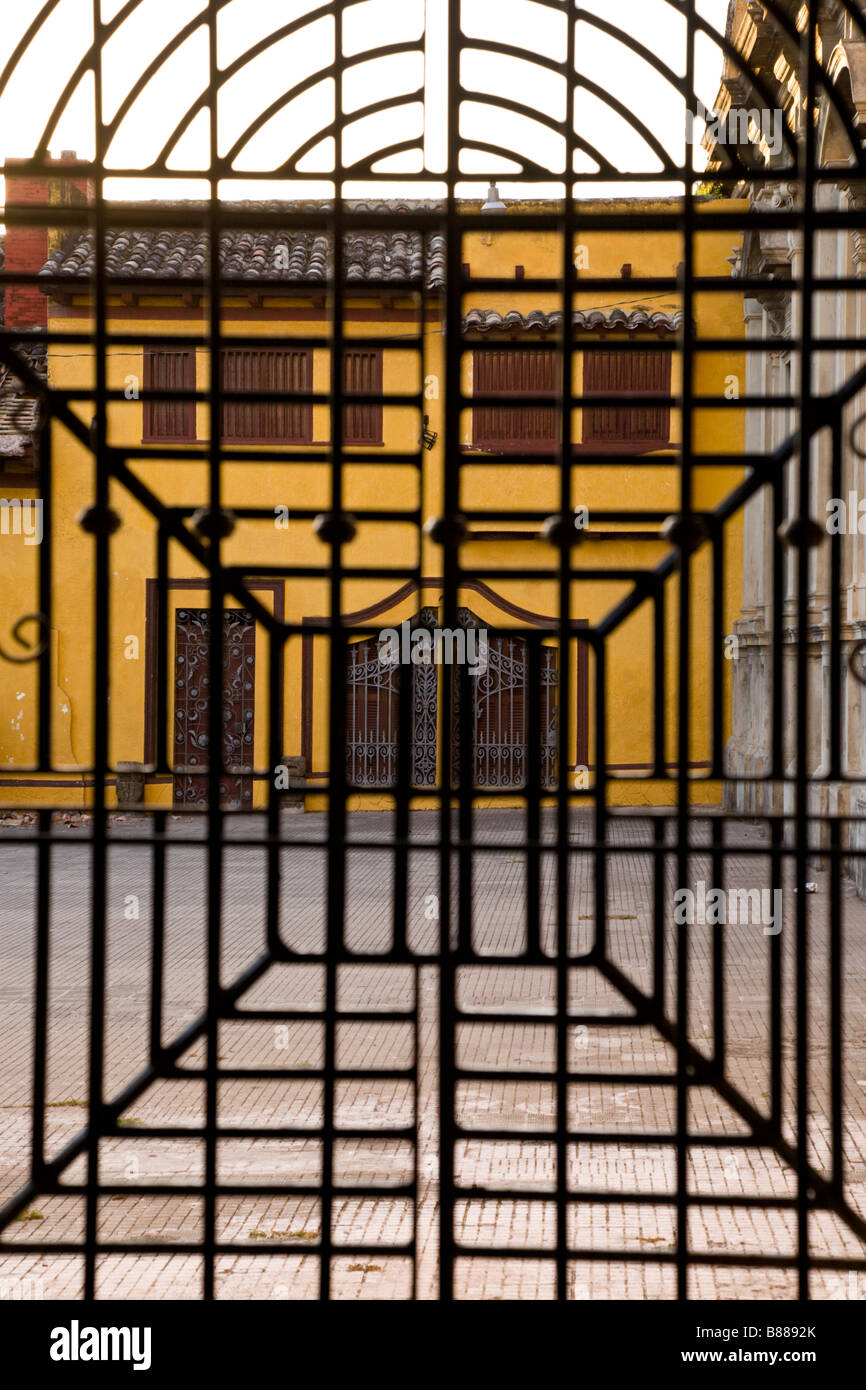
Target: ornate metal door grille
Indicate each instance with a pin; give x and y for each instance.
(373, 715)
(192, 708)
(372, 742)
(502, 737)
(684, 1064)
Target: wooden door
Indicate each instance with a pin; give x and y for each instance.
(193, 714)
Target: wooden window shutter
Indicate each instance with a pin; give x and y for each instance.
(168, 369)
(362, 372)
(619, 375)
(277, 371)
(528, 429)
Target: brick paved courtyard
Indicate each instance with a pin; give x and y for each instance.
(648, 1229)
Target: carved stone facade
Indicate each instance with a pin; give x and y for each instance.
(837, 314)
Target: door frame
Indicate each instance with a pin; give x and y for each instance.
(276, 587)
(316, 625)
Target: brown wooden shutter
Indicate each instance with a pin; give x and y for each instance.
(362, 372)
(621, 374)
(531, 428)
(279, 371)
(168, 369)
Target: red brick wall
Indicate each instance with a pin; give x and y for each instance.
(26, 247)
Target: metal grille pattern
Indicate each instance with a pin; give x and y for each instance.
(567, 983)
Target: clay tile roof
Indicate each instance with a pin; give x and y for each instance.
(20, 413)
(584, 321)
(370, 257)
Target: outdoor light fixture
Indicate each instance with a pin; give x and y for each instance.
(494, 202)
(428, 436)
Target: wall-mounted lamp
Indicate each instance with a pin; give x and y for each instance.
(494, 202)
(428, 436)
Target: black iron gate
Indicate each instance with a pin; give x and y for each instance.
(615, 1017)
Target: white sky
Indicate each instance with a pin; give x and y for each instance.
(26, 105)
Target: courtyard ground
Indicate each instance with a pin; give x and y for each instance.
(646, 1232)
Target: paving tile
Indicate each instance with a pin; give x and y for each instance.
(627, 1246)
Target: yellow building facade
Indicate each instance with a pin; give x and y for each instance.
(286, 477)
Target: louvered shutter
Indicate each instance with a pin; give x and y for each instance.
(515, 428)
(168, 369)
(362, 372)
(619, 375)
(275, 371)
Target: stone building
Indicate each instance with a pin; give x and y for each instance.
(774, 318)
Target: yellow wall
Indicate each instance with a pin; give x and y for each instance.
(306, 485)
